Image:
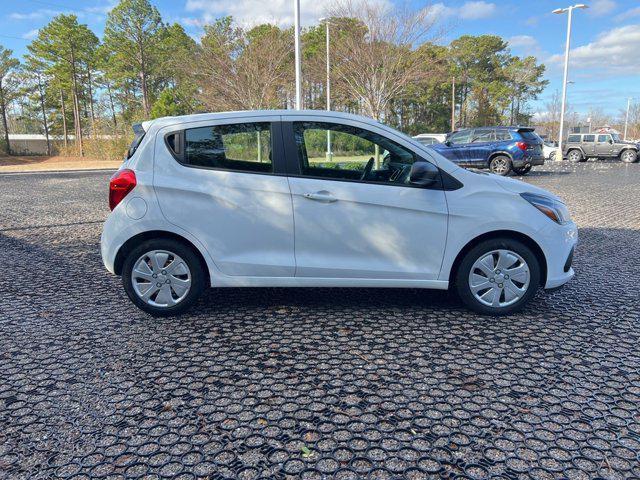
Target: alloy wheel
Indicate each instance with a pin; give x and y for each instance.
(500, 165)
(499, 278)
(628, 156)
(575, 156)
(161, 278)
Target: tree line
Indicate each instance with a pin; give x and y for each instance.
(387, 62)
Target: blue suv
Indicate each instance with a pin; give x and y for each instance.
(500, 149)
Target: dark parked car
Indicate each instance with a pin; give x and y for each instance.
(579, 147)
(500, 149)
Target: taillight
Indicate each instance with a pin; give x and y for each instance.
(522, 145)
(121, 183)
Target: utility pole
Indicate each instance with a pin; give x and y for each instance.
(328, 88)
(453, 103)
(296, 4)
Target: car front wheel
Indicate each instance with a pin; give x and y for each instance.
(163, 277)
(629, 156)
(498, 277)
(500, 165)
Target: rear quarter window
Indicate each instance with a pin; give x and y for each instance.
(503, 135)
(573, 138)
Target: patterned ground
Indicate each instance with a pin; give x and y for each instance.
(315, 383)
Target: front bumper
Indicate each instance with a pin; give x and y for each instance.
(559, 245)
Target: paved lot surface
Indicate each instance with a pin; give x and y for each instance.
(317, 383)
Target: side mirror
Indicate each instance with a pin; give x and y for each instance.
(423, 174)
(447, 143)
(611, 141)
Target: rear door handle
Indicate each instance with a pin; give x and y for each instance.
(321, 196)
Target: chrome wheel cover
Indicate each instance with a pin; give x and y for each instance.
(499, 165)
(161, 278)
(499, 278)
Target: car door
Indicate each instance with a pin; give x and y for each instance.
(455, 148)
(224, 183)
(482, 142)
(589, 145)
(604, 145)
(356, 220)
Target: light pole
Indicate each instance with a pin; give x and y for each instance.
(328, 88)
(568, 10)
(296, 8)
(626, 118)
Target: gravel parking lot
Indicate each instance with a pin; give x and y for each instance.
(315, 383)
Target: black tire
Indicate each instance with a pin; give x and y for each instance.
(500, 165)
(522, 170)
(575, 156)
(191, 259)
(463, 272)
(628, 156)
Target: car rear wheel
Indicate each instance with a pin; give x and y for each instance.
(498, 277)
(500, 165)
(163, 277)
(576, 156)
(522, 170)
(629, 156)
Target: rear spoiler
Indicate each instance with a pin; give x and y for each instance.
(525, 129)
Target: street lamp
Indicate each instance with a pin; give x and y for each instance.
(626, 118)
(296, 8)
(569, 10)
(328, 88)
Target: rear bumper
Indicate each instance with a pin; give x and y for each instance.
(533, 160)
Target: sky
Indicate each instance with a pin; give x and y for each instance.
(604, 67)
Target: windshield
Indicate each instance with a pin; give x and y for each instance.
(616, 137)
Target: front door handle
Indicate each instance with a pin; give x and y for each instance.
(321, 196)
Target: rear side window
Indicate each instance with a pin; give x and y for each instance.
(502, 135)
(482, 135)
(243, 147)
(589, 138)
(573, 138)
(138, 133)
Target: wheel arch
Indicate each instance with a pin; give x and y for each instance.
(528, 241)
(156, 234)
(626, 149)
(498, 153)
(579, 149)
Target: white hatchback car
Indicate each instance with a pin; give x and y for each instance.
(321, 199)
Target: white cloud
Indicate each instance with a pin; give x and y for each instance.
(477, 10)
(473, 10)
(34, 15)
(253, 12)
(612, 53)
(601, 7)
(634, 12)
(31, 34)
(523, 41)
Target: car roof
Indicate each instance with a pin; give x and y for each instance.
(176, 120)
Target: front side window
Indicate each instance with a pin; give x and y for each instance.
(460, 138)
(343, 152)
(603, 138)
(243, 147)
(589, 138)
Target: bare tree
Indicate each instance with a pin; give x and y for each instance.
(376, 62)
(243, 70)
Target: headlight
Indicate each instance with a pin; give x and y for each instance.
(555, 210)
